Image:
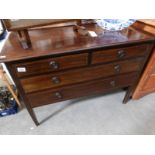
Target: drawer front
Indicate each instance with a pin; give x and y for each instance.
(118, 54)
(37, 83)
(51, 64)
(93, 87)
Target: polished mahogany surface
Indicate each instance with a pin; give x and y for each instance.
(65, 40)
(52, 64)
(118, 53)
(79, 90)
(63, 64)
(42, 82)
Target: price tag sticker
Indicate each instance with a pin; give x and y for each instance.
(92, 34)
(2, 57)
(21, 69)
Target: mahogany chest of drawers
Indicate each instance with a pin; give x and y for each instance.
(63, 64)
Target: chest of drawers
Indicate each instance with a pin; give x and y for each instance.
(64, 65)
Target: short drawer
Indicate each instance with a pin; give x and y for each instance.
(104, 56)
(93, 87)
(51, 64)
(37, 83)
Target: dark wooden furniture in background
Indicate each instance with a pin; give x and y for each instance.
(21, 26)
(146, 84)
(63, 64)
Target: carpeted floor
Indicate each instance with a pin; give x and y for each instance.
(102, 114)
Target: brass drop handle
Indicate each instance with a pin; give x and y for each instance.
(113, 83)
(58, 95)
(121, 54)
(117, 68)
(55, 80)
(54, 64)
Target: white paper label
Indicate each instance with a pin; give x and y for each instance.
(21, 69)
(2, 57)
(92, 34)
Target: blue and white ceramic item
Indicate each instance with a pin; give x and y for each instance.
(114, 24)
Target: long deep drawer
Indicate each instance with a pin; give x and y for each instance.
(118, 54)
(93, 87)
(37, 83)
(51, 64)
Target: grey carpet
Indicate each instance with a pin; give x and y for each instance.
(102, 114)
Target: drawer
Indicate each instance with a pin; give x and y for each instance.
(51, 64)
(104, 56)
(37, 83)
(93, 87)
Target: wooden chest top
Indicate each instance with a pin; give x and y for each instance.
(49, 42)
